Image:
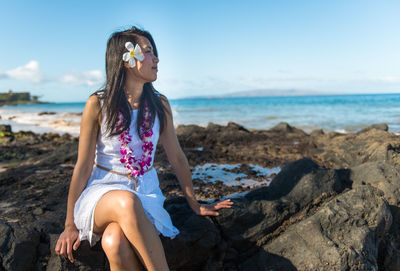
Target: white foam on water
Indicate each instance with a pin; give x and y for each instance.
(342, 131)
(59, 123)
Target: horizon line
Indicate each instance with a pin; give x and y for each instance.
(256, 96)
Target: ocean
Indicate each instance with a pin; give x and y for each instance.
(341, 113)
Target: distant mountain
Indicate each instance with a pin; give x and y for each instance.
(272, 92)
(275, 93)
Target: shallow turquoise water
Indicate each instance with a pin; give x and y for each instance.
(345, 113)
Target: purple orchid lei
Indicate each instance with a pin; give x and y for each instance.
(137, 167)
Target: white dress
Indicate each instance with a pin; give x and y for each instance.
(101, 181)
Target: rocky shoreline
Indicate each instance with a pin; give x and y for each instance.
(335, 204)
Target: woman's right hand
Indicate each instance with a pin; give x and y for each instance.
(68, 239)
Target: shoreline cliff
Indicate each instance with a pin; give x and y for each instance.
(16, 98)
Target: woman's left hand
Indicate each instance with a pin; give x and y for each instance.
(210, 209)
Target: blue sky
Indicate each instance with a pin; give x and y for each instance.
(56, 48)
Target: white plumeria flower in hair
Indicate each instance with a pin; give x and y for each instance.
(134, 52)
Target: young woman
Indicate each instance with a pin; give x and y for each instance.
(114, 190)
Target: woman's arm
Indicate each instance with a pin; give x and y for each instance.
(179, 162)
(177, 158)
(90, 124)
(86, 152)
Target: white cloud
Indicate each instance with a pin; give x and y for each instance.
(90, 78)
(386, 79)
(29, 72)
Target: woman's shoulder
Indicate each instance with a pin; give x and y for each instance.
(93, 107)
(93, 102)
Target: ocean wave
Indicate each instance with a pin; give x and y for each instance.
(260, 113)
(196, 110)
(341, 131)
(59, 123)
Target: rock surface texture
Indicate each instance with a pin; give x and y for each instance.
(335, 204)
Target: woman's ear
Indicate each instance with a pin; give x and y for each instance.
(126, 65)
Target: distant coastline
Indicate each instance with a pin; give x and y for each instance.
(263, 93)
(16, 98)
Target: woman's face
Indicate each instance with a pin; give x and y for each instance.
(145, 70)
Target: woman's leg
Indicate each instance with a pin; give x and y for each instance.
(125, 208)
(119, 251)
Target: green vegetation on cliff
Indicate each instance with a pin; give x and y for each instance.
(13, 98)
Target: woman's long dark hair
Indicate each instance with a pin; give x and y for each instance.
(113, 98)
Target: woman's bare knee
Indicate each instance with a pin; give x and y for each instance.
(114, 242)
(120, 253)
(127, 199)
(114, 206)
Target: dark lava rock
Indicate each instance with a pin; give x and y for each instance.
(34, 189)
(300, 186)
(381, 126)
(199, 240)
(386, 178)
(284, 127)
(46, 113)
(317, 132)
(18, 247)
(210, 243)
(383, 176)
(236, 126)
(349, 150)
(343, 235)
(86, 258)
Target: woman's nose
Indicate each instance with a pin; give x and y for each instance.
(156, 60)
